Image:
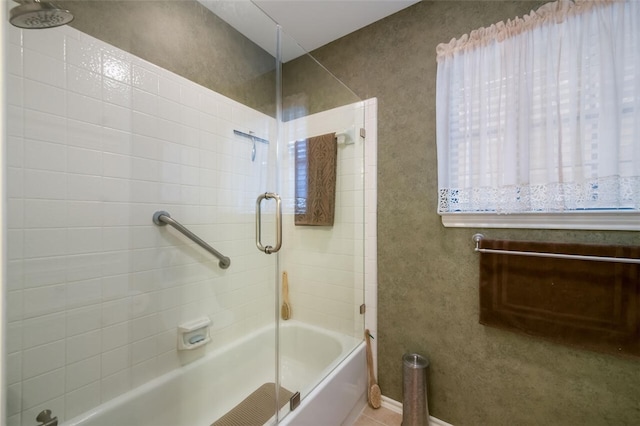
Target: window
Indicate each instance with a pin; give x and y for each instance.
(538, 120)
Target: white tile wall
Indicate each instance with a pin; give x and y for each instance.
(326, 266)
(97, 144)
(100, 140)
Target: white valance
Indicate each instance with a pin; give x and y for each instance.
(542, 113)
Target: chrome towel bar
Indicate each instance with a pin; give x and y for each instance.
(162, 218)
(478, 237)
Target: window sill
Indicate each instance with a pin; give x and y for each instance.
(610, 221)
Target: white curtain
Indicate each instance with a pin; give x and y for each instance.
(542, 114)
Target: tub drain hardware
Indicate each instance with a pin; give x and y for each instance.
(45, 418)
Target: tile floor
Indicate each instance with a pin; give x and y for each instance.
(379, 417)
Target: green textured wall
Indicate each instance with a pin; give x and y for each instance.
(428, 274)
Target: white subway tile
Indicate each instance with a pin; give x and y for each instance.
(15, 90)
(117, 93)
(116, 141)
(84, 240)
(84, 161)
(52, 45)
(83, 319)
(14, 368)
(15, 275)
(116, 165)
(116, 68)
(43, 359)
(84, 55)
(118, 262)
(144, 169)
(208, 103)
(15, 185)
(45, 213)
(116, 336)
(189, 96)
(44, 98)
(84, 108)
(146, 125)
(15, 308)
(44, 184)
(83, 293)
(144, 372)
(84, 135)
(169, 88)
(45, 156)
(14, 59)
(42, 388)
(115, 287)
(45, 242)
(145, 102)
(85, 266)
(143, 350)
(44, 300)
(84, 82)
(145, 191)
(115, 385)
(116, 237)
(85, 214)
(115, 360)
(116, 311)
(44, 271)
(145, 79)
(82, 400)
(83, 346)
(173, 132)
(15, 213)
(16, 125)
(190, 117)
(34, 65)
(43, 329)
(15, 151)
(168, 109)
(117, 117)
(144, 327)
(82, 373)
(146, 147)
(85, 188)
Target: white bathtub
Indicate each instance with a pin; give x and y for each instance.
(201, 392)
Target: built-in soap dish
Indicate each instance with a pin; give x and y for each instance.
(193, 334)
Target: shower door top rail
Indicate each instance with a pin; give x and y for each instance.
(162, 218)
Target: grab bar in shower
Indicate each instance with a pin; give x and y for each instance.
(478, 237)
(162, 218)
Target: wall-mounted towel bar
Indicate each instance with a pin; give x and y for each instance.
(479, 237)
(162, 218)
(250, 135)
(253, 138)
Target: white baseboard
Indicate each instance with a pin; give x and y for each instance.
(395, 406)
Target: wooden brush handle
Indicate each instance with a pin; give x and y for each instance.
(285, 287)
(372, 378)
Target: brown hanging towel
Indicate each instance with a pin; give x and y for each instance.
(590, 304)
(315, 180)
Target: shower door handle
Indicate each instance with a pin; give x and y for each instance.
(268, 196)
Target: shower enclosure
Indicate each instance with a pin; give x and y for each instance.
(130, 133)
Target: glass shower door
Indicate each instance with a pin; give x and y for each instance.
(320, 281)
(110, 120)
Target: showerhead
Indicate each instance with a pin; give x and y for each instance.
(35, 14)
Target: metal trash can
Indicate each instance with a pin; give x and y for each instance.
(415, 411)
